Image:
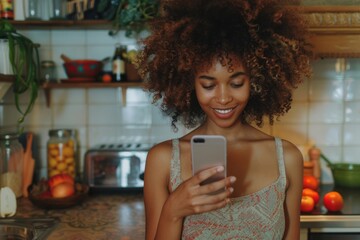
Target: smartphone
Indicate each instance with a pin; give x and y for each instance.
(208, 151)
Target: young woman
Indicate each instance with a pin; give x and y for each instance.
(218, 67)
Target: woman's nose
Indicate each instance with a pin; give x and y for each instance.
(224, 97)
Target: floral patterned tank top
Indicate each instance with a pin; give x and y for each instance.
(259, 215)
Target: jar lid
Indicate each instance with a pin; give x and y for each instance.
(9, 135)
(48, 63)
(60, 132)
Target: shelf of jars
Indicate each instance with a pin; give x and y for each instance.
(48, 86)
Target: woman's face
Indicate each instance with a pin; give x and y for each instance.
(223, 94)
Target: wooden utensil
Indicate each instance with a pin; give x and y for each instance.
(65, 58)
(29, 165)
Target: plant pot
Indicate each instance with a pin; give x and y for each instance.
(5, 65)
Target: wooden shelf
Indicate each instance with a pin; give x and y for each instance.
(6, 78)
(62, 24)
(123, 85)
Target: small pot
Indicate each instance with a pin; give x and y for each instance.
(344, 174)
(83, 68)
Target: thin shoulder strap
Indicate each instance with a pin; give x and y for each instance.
(280, 157)
(175, 178)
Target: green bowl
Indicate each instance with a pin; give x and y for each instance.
(346, 174)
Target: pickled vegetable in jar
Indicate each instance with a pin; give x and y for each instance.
(61, 149)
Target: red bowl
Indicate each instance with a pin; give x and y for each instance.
(83, 68)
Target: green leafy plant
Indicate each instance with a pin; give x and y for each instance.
(130, 15)
(24, 60)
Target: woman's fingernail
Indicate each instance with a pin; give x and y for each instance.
(220, 168)
(231, 189)
(232, 179)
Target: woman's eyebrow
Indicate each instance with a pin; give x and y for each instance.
(206, 77)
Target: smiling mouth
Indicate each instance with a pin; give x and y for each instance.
(223, 111)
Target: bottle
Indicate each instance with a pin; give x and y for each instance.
(61, 154)
(11, 164)
(118, 64)
(7, 9)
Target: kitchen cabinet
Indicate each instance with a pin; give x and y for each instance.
(335, 30)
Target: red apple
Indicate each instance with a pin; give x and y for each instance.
(60, 178)
(307, 204)
(311, 193)
(63, 189)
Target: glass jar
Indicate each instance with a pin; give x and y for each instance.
(11, 164)
(57, 9)
(33, 9)
(61, 149)
(48, 71)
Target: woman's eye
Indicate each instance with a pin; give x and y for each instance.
(208, 87)
(237, 85)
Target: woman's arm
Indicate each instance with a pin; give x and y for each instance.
(294, 172)
(165, 211)
(156, 182)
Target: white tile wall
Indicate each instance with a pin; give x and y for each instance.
(325, 111)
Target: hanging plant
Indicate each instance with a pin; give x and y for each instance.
(24, 60)
(129, 15)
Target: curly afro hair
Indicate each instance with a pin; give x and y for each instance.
(268, 36)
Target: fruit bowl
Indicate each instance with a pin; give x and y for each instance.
(40, 197)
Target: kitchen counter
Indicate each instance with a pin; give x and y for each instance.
(348, 217)
(121, 216)
(98, 217)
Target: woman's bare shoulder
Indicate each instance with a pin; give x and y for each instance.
(160, 151)
(292, 153)
(157, 166)
(293, 159)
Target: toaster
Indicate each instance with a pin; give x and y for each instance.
(115, 167)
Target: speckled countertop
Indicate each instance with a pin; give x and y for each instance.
(100, 217)
(122, 216)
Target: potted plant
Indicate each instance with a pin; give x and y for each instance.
(24, 60)
(129, 15)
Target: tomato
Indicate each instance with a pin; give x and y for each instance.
(333, 201)
(311, 193)
(106, 77)
(307, 204)
(310, 182)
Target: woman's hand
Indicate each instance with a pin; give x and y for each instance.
(192, 198)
